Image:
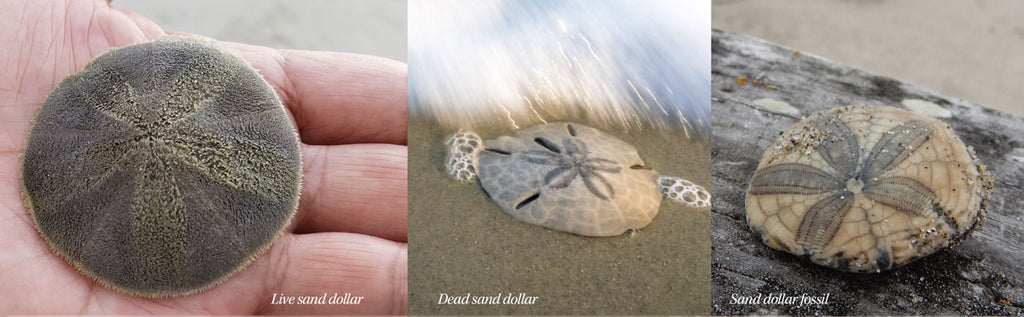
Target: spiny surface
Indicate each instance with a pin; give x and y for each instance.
(162, 168)
(570, 177)
(866, 189)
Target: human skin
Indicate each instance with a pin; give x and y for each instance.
(348, 236)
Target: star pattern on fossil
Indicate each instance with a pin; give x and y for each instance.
(573, 161)
(851, 178)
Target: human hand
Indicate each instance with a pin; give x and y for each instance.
(350, 230)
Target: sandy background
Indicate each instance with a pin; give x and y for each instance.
(375, 27)
(964, 49)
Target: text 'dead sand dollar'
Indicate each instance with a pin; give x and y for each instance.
(867, 189)
(162, 168)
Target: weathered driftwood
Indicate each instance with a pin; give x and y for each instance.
(982, 275)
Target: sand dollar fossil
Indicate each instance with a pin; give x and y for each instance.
(162, 168)
(867, 189)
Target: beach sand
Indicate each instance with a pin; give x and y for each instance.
(464, 243)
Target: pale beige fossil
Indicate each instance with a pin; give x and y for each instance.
(867, 189)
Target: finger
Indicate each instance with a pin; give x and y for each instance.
(314, 264)
(336, 98)
(147, 28)
(358, 188)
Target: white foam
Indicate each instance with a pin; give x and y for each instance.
(463, 152)
(684, 191)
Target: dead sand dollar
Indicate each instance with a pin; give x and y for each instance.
(867, 189)
(570, 177)
(162, 168)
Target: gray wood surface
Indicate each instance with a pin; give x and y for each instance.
(982, 275)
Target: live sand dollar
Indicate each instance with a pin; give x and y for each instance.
(162, 168)
(867, 189)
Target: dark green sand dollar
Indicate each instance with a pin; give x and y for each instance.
(162, 168)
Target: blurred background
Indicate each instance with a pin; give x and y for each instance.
(970, 50)
(623, 65)
(374, 27)
(964, 49)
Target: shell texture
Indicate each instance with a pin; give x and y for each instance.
(162, 168)
(684, 191)
(570, 177)
(463, 152)
(867, 189)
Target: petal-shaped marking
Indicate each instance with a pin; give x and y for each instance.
(573, 161)
(216, 157)
(603, 165)
(109, 94)
(895, 146)
(560, 177)
(99, 163)
(822, 221)
(208, 79)
(596, 183)
(105, 101)
(838, 145)
(575, 147)
(903, 194)
(792, 178)
(158, 222)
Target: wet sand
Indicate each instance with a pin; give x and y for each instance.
(464, 243)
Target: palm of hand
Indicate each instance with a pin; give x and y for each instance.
(53, 39)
